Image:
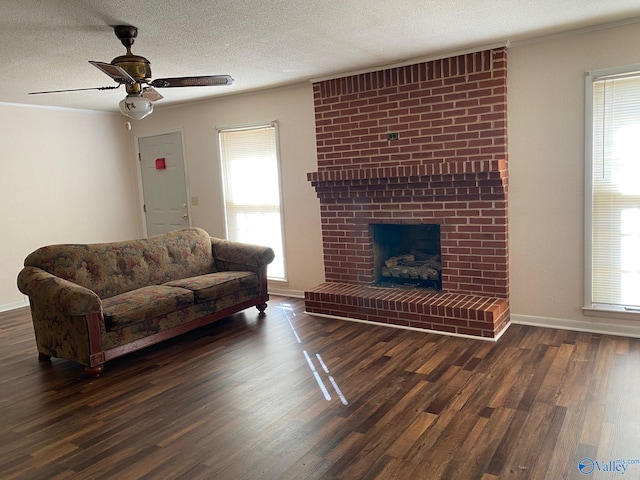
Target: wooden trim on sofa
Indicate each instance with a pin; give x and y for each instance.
(96, 355)
(96, 366)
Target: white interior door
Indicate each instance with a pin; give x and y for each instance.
(163, 182)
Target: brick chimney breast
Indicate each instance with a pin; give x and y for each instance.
(448, 166)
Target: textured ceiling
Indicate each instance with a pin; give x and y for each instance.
(45, 45)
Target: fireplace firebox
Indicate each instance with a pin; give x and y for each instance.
(407, 256)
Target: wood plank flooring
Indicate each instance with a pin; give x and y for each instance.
(293, 396)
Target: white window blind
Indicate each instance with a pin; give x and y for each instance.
(615, 191)
(251, 180)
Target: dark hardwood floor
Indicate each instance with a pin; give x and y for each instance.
(293, 396)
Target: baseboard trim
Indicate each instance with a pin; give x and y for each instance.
(13, 306)
(611, 327)
(285, 292)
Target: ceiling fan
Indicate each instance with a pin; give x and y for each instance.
(134, 72)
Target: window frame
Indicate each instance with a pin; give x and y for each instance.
(590, 308)
(251, 126)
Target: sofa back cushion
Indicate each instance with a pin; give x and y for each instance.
(117, 267)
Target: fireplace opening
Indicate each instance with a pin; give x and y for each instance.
(407, 256)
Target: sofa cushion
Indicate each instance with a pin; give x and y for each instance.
(215, 285)
(143, 304)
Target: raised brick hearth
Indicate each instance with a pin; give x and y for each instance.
(462, 314)
(448, 167)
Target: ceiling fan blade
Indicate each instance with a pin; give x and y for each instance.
(204, 81)
(76, 90)
(117, 73)
(151, 94)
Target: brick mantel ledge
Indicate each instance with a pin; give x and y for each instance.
(398, 171)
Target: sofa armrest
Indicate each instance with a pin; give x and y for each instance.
(231, 255)
(65, 296)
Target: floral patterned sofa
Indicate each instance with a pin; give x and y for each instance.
(91, 303)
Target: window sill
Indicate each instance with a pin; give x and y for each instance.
(609, 311)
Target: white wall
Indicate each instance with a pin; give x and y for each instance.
(293, 108)
(546, 173)
(67, 177)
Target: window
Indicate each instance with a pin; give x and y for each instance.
(613, 190)
(251, 177)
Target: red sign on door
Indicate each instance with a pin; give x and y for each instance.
(161, 164)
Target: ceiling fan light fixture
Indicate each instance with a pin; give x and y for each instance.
(135, 106)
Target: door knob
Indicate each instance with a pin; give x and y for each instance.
(184, 215)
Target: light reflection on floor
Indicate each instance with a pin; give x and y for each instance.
(287, 309)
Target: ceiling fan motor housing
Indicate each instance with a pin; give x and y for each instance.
(136, 66)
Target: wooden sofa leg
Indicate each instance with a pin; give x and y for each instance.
(94, 371)
(43, 358)
(261, 308)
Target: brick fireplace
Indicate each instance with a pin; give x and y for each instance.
(447, 167)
